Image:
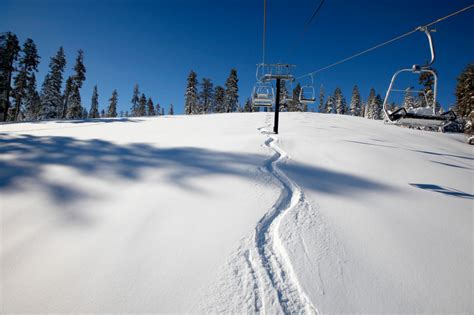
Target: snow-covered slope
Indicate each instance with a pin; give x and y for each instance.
(212, 213)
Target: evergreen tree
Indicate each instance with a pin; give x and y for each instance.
(378, 103)
(135, 101)
(356, 103)
(427, 80)
(330, 104)
(94, 111)
(295, 105)
(340, 102)
(79, 69)
(32, 100)
(9, 50)
(51, 98)
(66, 96)
(219, 99)
(231, 92)
(409, 100)
(102, 113)
(84, 115)
(465, 92)
(207, 96)
(321, 108)
(248, 106)
(127, 114)
(28, 65)
(74, 110)
(171, 111)
(121, 114)
(142, 106)
(112, 110)
(369, 108)
(157, 109)
(74, 106)
(191, 95)
(163, 111)
(150, 107)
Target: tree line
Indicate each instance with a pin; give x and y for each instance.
(204, 98)
(21, 101)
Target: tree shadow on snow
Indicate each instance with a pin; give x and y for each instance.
(444, 190)
(180, 166)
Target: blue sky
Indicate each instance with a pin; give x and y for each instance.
(156, 43)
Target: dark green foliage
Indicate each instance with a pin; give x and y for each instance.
(9, 49)
(191, 95)
(94, 111)
(150, 108)
(231, 92)
(112, 110)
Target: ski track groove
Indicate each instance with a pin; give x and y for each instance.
(273, 255)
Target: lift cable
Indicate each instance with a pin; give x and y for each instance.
(387, 42)
(264, 29)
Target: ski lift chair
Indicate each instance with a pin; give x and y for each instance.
(308, 93)
(410, 118)
(263, 95)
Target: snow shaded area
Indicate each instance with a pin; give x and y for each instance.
(214, 214)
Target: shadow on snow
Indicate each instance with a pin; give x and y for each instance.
(104, 159)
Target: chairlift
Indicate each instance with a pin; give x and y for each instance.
(263, 95)
(308, 93)
(411, 117)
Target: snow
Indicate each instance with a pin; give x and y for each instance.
(212, 213)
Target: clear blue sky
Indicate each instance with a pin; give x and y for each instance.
(156, 43)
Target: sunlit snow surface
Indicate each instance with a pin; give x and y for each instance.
(212, 213)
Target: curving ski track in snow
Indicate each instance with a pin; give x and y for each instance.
(259, 277)
(273, 255)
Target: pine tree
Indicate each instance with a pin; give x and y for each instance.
(409, 99)
(340, 102)
(142, 106)
(321, 108)
(94, 111)
(248, 106)
(9, 50)
(102, 113)
(28, 65)
(378, 103)
(427, 80)
(84, 115)
(32, 100)
(369, 107)
(329, 104)
(75, 110)
(51, 98)
(231, 92)
(112, 110)
(191, 95)
(356, 104)
(66, 96)
(171, 110)
(150, 107)
(135, 101)
(157, 109)
(295, 105)
(74, 107)
(79, 69)
(219, 99)
(127, 114)
(163, 111)
(465, 92)
(207, 96)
